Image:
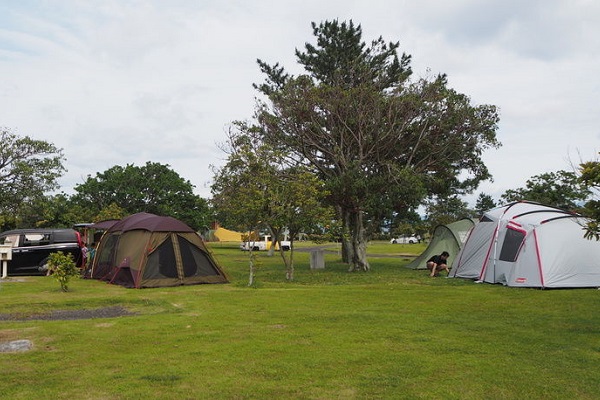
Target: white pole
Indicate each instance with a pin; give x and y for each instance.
(6, 254)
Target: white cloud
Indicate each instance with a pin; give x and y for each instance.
(118, 82)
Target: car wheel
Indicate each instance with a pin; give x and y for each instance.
(411, 241)
(394, 241)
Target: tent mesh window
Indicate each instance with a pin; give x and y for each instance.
(107, 253)
(162, 262)
(512, 243)
(195, 261)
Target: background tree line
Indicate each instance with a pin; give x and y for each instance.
(29, 173)
(156, 188)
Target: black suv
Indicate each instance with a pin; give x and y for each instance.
(32, 247)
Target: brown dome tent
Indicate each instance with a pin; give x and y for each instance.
(146, 250)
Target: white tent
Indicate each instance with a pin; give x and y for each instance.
(527, 244)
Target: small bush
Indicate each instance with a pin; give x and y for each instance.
(62, 267)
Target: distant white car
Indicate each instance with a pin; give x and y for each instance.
(405, 240)
(264, 244)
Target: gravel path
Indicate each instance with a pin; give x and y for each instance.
(329, 249)
(62, 315)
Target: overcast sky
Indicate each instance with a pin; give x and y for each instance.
(126, 82)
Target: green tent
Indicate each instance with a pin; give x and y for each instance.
(448, 238)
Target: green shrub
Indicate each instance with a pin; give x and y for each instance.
(62, 267)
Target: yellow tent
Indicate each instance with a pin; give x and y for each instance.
(225, 235)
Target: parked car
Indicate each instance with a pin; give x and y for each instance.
(264, 244)
(32, 247)
(405, 240)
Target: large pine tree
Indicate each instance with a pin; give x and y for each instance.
(381, 142)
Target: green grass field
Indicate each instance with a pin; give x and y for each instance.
(389, 333)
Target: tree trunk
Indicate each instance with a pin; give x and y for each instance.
(251, 276)
(358, 238)
(347, 248)
(274, 241)
(288, 262)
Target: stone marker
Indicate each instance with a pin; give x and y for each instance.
(317, 259)
(15, 346)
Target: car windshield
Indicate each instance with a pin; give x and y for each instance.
(12, 239)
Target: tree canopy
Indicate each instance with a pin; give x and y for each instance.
(561, 189)
(28, 169)
(447, 210)
(483, 203)
(256, 189)
(153, 188)
(53, 211)
(380, 141)
(590, 177)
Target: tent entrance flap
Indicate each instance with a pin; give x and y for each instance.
(195, 262)
(161, 262)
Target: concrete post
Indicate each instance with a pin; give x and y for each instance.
(317, 259)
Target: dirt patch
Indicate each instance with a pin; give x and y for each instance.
(63, 315)
(11, 279)
(13, 334)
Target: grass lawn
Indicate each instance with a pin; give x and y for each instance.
(330, 334)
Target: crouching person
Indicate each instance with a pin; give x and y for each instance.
(438, 263)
